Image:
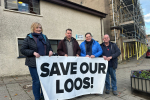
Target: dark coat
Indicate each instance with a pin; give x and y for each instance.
(62, 48)
(29, 47)
(115, 53)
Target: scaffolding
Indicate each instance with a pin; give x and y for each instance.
(128, 16)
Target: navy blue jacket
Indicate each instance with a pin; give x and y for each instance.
(96, 49)
(29, 46)
(115, 53)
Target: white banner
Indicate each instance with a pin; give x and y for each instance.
(69, 77)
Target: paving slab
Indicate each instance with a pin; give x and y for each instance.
(13, 87)
(8, 80)
(4, 94)
(7, 97)
(105, 96)
(121, 94)
(97, 98)
(3, 87)
(1, 81)
(29, 92)
(32, 97)
(28, 77)
(114, 98)
(21, 97)
(17, 92)
(20, 78)
(130, 97)
(25, 83)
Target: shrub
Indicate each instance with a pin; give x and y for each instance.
(142, 74)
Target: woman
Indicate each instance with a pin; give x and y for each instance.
(90, 47)
(35, 45)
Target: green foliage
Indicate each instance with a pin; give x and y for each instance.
(142, 74)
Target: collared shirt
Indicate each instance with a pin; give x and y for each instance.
(69, 45)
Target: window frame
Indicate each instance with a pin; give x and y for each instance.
(58, 40)
(29, 7)
(18, 53)
(22, 56)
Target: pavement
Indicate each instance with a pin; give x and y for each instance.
(19, 87)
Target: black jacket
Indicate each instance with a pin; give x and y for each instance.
(29, 47)
(115, 53)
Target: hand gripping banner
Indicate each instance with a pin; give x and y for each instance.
(69, 77)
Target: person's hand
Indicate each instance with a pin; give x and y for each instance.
(50, 53)
(92, 56)
(36, 54)
(77, 55)
(105, 58)
(108, 58)
(66, 55)
(87, 56)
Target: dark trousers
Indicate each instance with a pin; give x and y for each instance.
(112, 73)
(36, 86)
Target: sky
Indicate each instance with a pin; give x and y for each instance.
(146, 11)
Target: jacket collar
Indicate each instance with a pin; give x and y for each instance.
(109, 43)
(30, 35)
(72, 38)
(92, 43)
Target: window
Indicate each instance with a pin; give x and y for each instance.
(29, 6)
(54, 45)
(20, 42)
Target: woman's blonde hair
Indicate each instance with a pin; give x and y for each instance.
(34, 25)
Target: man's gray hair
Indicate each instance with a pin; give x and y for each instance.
(106, 34)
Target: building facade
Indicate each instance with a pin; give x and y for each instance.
(16, 17)
(124, 23)
(148, 40)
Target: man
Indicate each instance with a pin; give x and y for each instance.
(90, 47)
(68, 46)
(110, 53)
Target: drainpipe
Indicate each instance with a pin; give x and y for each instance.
(113, 20)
